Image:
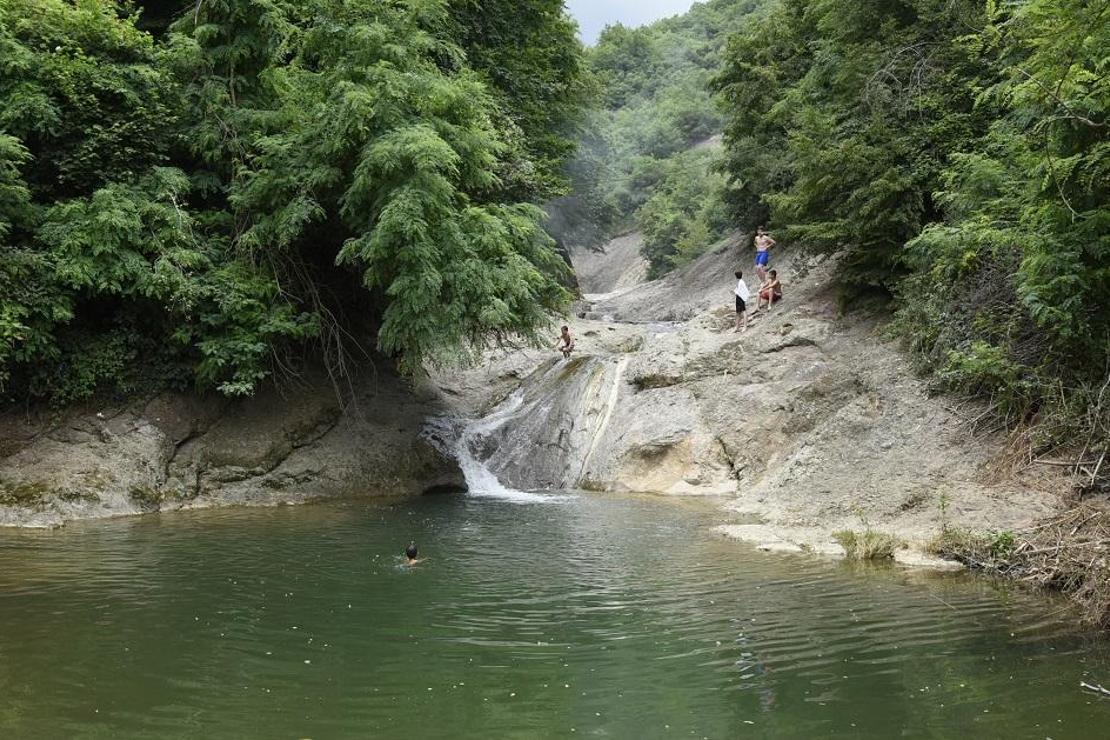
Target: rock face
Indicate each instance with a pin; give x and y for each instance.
(619, 266)
(808, 422)
(182, 451)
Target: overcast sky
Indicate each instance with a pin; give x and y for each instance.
(594, 15)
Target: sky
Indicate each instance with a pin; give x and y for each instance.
(594, 15)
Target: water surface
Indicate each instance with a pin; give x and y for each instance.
(585, 616)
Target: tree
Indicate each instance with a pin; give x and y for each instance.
(266, 180)
(528, 53)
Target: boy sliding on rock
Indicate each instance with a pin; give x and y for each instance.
(565, 343)
(743, 295)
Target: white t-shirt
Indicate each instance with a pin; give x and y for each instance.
(742, 290)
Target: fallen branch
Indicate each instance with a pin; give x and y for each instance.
(1094, 475)
(1064, 463)
(1097, 688)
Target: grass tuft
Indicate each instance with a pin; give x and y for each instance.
(867, 545)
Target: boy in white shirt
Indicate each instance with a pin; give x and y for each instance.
(743, 295)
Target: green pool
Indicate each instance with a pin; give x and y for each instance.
(576, 615)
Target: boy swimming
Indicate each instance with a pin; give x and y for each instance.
(412, 554)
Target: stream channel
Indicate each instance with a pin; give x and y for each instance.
(534, 615)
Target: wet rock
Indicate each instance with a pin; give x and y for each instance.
(918, 559)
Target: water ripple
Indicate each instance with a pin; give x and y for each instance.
(621, 617)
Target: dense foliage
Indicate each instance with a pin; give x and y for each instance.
(954, 152)
(258, 181)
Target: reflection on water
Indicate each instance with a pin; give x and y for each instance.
(618, 617)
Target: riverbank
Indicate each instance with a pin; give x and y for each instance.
(808, 424)
(182, 451)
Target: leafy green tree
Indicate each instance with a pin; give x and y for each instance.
(83, 101)
(1010, 290)
(627, 61)
(377, 151)
(528, 53)
(81, 88)
(265, 178)
(686, 212)
(843, 116)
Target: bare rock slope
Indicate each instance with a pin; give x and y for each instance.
(807, 423)
(617, 266)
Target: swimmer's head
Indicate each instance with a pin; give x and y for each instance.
(411, 551)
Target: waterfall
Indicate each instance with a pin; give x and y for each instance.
(480, 480)
(545, 436)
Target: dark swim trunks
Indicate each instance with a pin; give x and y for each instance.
(740, 305)
(762, 258)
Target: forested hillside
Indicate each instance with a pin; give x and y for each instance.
(648, 159)
(955, 154)
(209, 193)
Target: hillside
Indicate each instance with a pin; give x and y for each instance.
(809, 423)
(649, 154)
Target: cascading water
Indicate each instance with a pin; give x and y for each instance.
(480, 480)
(543, 436)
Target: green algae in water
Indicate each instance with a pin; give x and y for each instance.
(590, 615)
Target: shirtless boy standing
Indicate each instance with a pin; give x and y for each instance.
(763, 244)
